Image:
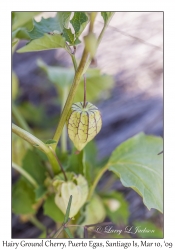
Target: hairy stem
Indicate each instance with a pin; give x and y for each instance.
(97, 178)
(29, 137)
(25, 174)
(98, 41)
(84, 104)
(35, 141)
(74, 62)
(59, 163)
(70, 98)
(64, 133)
(73, 90)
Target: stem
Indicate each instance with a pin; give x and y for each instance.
(35, 141)
(70, 98)
(61, 229)
(98, 41)
(19, 119)
(74, 62)
(72, 54)
(64, 140)
(59, 163)
(97, 178)
(84, 105)
(37, 223)
(25, 174)
(64, 133)
(66, 229)
(29, 137)
(73, 90)
(58, 232)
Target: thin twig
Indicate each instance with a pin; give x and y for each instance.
(59, 163)
(84, 105)
(25, 174)
(64, 225)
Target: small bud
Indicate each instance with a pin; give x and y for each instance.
(91, 43)
(83, 123)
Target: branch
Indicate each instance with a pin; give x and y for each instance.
(83, 66)
(35, 141)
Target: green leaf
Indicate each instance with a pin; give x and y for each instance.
(91, 153)
(75, 162)
(33, 164)
(66, 217)
(89, 161)
(97, 84)
(44, 43)
(51, 210)
(21, 23)
(67, 33)
(19, 149)
(151, 231)
(21, 33)
(61, 77)
(44, 26)
(77, 41)
(63, 18)
(32, 114)
(117, 208)
(95, 211)
(106, 15)
(63, 157)
(23, 197)
(22, 19)
(137, 164)
(52, 25)
(40, 192)
(79, 22)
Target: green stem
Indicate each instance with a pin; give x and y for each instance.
(64, 133)
(58, 232)
(25, 174)
(29, 138)
(19, 119)
(59, 163)
(72, 92)
(98, 42)
(74, 62)
(35, 141)
(37, 223)
(97, 178)
(72, 54)
(68, 232)
(63, 226)
(70, 98)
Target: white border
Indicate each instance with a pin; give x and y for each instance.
(5, 96)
